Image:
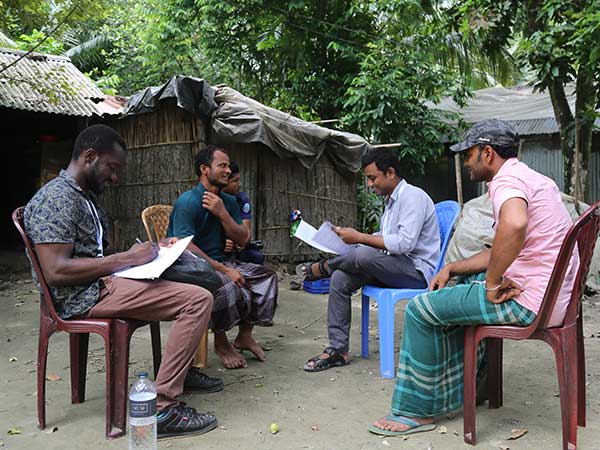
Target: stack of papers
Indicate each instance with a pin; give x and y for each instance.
(324, 239)
(154, 269)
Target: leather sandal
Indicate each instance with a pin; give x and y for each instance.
(335, 359)
(304, 271)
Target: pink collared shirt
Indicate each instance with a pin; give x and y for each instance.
(548, 223)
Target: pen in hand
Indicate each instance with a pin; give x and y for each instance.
(138, 240)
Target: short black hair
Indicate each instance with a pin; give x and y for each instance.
(205, 157)
(100, 137)
(235, 169)
(503, 151)
(383, 159)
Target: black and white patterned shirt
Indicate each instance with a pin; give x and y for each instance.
(62, 213)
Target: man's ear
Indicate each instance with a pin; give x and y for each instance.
(390, 172)
(90, 155)
(488, 153)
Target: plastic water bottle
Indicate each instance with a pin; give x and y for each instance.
(142, 414)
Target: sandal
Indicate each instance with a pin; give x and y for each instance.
(304, 271)
(415, 427)
(335, 359)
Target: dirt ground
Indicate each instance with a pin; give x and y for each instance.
(328, 410)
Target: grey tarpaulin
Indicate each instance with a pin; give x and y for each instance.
(474, 232)
(240, 119)
(193, 95)
(234, 118)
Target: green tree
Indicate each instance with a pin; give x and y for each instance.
(560, 43)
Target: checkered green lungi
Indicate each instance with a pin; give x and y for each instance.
(430, 373)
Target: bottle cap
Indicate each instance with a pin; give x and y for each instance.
(142, 374)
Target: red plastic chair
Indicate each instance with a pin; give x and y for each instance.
(116, 334)
(566, 341)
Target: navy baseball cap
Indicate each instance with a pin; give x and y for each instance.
(488, 132)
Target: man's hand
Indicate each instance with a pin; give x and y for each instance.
(441, 279)
(508, 289)
(167, 242)
(235, 276)
(214, 204)
(140, 254)
(229, 246)
(348, 235)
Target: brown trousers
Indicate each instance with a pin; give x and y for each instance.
(189, 306)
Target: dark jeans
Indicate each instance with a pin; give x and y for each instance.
(351, 271)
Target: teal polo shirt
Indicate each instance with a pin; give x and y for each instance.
(189, 217)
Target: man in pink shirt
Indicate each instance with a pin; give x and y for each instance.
(502, 285)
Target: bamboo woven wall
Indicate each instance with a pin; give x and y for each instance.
(160, 161)
(160, 166)
(320, 193)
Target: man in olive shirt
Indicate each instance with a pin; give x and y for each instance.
(249, 295)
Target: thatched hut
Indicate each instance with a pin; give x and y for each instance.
(286, 163)
(44, 102)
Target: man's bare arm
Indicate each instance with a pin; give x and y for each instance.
(61, 269)
(509, 239)
(237, 232)
(231, 273)
(474, 264)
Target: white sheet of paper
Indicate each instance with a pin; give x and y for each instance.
(329, 238)
(153, 269)
(323, 239)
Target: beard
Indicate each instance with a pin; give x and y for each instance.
(94, 183)
(216, 182)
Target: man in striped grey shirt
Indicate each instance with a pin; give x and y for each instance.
(403, 254)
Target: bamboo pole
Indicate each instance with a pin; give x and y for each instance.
(458, 173)
(394, 145)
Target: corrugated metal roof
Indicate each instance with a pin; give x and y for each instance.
(529, 112)
(46, 83)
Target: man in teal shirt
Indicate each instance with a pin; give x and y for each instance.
(249, 293)
(190, 217)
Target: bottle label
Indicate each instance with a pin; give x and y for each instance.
(146, 408)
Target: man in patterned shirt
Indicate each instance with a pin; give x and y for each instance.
(68, 230)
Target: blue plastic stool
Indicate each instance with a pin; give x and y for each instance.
(447, 212)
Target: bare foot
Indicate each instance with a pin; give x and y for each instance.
(229, 355)
(391, 425)
(247, 342)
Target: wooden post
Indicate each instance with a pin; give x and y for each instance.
(200, 357)
(458, 173)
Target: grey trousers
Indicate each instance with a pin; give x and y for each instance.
(351, 271)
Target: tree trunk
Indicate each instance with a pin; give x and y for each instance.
(566, 126)
(584, 115)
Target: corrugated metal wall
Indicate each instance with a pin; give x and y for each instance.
(542, 155)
